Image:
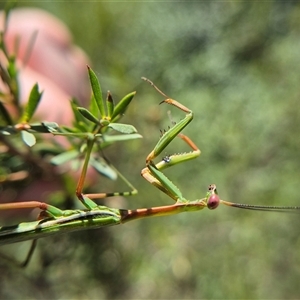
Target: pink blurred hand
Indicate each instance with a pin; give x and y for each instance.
(58, 66)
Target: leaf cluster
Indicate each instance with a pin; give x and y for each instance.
(24, 137)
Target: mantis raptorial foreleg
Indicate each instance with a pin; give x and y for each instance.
(152, 172)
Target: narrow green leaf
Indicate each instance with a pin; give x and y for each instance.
(121, 137)
(110, 104)
(93, 108)
(11, 68)
(88, 115)
(64, 157)
(80, 123)
(121, 107)
(28, 138)
(44, 127)
(70, 133)
(66, 129)
(123, 128)
(12, 71)
(96, 91)
(107, 140)
(101, 166)
(33, 101)
(110, 139)
(77, 116)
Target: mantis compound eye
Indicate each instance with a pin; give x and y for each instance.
(213, 201)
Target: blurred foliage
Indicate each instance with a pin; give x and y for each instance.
(236, 65)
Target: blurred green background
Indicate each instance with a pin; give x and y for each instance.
(237, 66)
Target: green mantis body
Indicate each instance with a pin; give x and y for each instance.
(77, 220)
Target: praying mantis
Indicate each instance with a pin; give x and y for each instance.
(54, 221)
